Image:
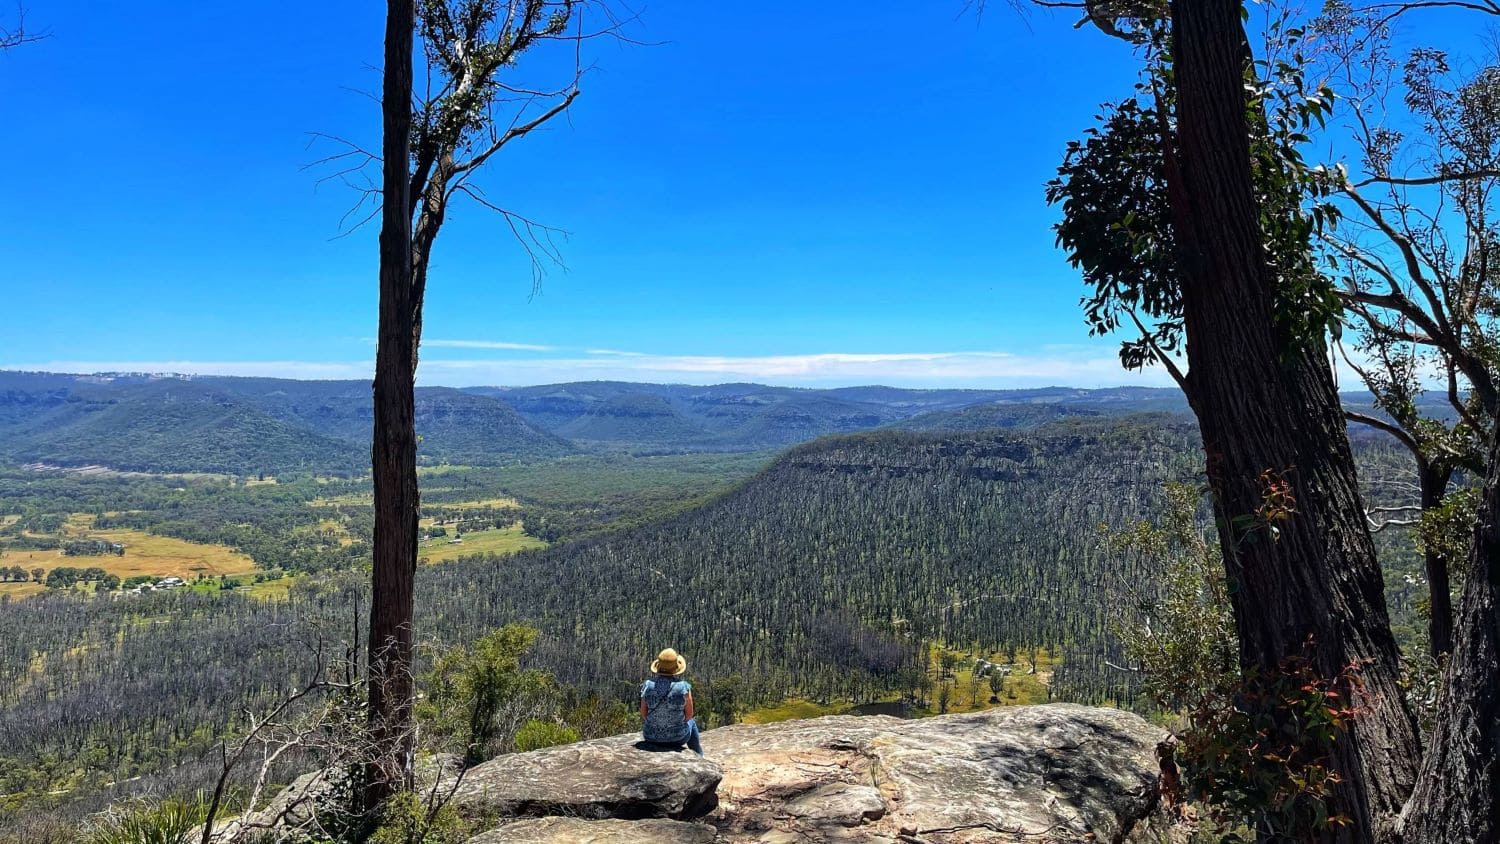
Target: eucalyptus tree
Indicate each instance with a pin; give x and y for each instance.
(1188, 210)
(1423, 284)
(1415, 280)
(435, 142)
(1413, 256)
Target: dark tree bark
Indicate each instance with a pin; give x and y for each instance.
(1434, 486)
(394, 454)
(1457, 797)
(1269, 414)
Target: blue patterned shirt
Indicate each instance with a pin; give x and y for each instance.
(666, 710)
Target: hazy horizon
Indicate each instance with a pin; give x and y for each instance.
(335, 373)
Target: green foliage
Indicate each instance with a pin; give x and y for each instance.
(407, 819)
(480, 696)
(1117, 227)
(535, 735)
(1255, 750)
(172, 821)
(719, 702)
(1448, 529)
(1116, 191)
(1258, 751)
(1182, 637)
(65, 577)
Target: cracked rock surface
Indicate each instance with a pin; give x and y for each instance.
(1054, 773)
(579, 831)
(603, 778)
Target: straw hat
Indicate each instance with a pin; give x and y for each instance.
(669, 664)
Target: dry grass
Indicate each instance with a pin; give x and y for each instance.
(159, 556)
(21, 590)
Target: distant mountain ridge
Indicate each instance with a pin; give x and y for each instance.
(174, 423)
(737, 417)
(242, 426)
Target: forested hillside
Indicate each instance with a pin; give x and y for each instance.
(161, 426)
(826, 574)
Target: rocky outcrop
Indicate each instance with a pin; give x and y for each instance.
(1056, 773)
(578, 831)
(1037, 773)
(618, 777)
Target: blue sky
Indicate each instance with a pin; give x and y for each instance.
(831, 193)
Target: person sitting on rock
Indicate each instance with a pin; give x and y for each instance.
(667, 704)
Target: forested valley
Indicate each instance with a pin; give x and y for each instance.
(215, 584)
(833, 575)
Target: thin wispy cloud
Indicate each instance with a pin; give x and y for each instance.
(488, 344)
(298, 369)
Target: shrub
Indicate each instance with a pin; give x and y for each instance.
(535, 735)
(1258, 751)
(171, 821)
(480, 696)
(409, 820)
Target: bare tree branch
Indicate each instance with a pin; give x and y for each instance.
(17, 34)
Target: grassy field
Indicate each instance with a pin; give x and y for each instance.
(495, 503)
(499, 541)
(145, 554)
(440, 469)
(791, 710)
(353, 499)
(272, 590)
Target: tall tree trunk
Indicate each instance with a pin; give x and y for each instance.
(1269, 413)
(1434, 485)
(394, 454)
(1457, 797)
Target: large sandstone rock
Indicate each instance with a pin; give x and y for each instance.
(1056, 773)
(579, 831)
(1038, 773)
(604, 778)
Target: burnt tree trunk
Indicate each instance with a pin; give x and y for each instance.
(1434, 485)
(1269, 413)
(394, 454)
(1457, 797)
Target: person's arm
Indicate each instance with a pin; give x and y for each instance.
(687, 707)
(643, 707)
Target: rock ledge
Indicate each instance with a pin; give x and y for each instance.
(1055, 773)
